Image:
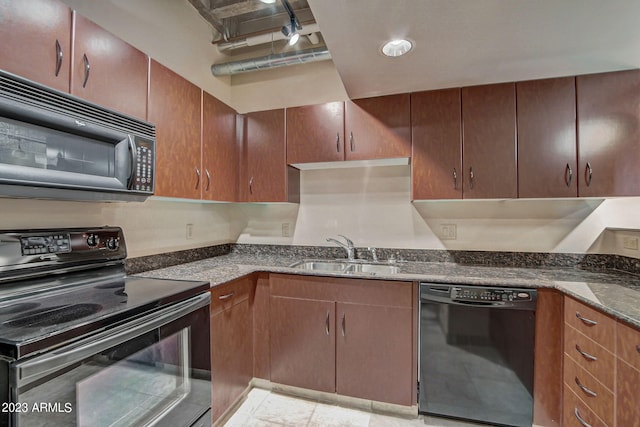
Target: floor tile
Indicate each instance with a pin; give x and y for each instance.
(335, 416)
(285, 410)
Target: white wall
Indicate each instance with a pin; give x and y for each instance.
(372, 205)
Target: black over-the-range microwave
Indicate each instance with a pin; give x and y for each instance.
(57, 146)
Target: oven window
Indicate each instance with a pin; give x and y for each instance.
(132, 384)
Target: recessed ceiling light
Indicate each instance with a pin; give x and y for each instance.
(268, 1)
(396, 47)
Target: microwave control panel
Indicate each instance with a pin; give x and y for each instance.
(144, 176)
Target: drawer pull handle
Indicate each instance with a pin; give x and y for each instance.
(586, 321)
(585, 355)
(326, 324)
(585, 389)
(226, 296)
(583, 422)
(343, 329)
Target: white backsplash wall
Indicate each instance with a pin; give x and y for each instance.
(152, 227)
(372, 206)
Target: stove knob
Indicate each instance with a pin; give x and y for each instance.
(113, 244)
(93, 240)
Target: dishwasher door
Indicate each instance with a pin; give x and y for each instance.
(476, 353)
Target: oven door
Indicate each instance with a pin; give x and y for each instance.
(153, 370)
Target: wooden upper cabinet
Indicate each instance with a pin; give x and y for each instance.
(220, 150)
(265, 176)
(489, 141)
(174, 107)
(315, 133)
(108, 71)
(378, 128)
(609, 134)
(436, 159)
(547, 161)
(36, 41)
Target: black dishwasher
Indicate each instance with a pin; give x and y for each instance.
(476, 353)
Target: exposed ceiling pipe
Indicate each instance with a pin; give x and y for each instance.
(263, 39)
(271, 61)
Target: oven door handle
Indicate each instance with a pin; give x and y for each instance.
(38, 367)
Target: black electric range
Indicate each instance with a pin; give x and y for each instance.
(69, 314)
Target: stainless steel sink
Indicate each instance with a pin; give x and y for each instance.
(321, 265)
(346, 267)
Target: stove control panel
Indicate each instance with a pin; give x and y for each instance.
(46, 244)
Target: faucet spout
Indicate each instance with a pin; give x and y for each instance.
(349, 246)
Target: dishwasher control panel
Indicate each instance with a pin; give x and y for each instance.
(481, 296)
(489, 294)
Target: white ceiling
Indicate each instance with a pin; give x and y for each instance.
(470, 42)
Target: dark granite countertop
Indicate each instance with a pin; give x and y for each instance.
(616, 293)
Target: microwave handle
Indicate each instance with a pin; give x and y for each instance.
(134, 161)
(34, 369)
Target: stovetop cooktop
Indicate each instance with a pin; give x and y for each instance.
(45, 311)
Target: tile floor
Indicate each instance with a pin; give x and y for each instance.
(263, 408)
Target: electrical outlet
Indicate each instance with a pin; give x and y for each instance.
(629, 242)
(286, 229)
(448, 232)
(189, 231)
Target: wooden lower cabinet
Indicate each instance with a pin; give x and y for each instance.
(627, 376)
(373, 352)
(231, 343)
(303, 343)
(350, 336)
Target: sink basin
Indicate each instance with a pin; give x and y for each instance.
(346, 267)
(372, 268)
(321, 265)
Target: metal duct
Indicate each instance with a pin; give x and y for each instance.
(271, 61)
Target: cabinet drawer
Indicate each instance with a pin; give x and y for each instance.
(591, 356)
(226, 296)
(628, 344)
(593, 323)
(595, 395)
(576, 414)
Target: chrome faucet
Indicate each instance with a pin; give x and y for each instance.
(374, 253)
(349, 247)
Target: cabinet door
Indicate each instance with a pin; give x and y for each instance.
(374, 353)
(315, 133)
(302, 343)
(264, 157)
(608, 134)
(231, 354)
(378, 128)
(174, 107)
(36, 41)
(108, 71)
(547, 162)
(220, 150)
(628, 395)
(489, 141)
(436, 159)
